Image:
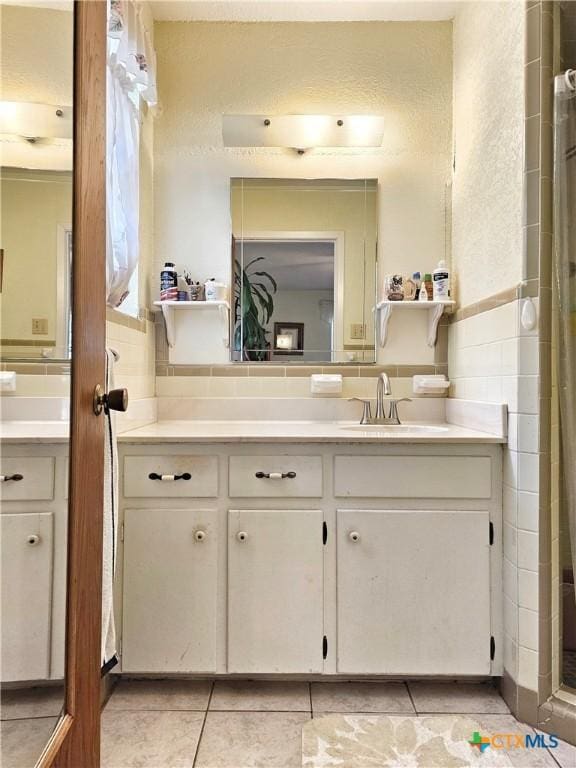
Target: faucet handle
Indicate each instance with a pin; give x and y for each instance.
(367, 411)
(393, 415)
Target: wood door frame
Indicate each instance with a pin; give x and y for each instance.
(76, 739)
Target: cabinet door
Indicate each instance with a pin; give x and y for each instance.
(26, 595)
(170, 581)
(275, 591)
(413, 592)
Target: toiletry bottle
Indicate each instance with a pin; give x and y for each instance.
(428, 283)
(417, 278)
(423, 295)
(168, 277)
(409, 289)
(441, 282)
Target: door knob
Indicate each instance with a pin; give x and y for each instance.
(354, 536)
(115, 400)
(33, 539)
(200, 535)
(241, 535)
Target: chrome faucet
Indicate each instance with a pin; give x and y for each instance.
(382, 388)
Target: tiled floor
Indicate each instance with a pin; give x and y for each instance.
(28, 718)
(189, 724)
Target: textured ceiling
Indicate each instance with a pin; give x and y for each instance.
(302, 10)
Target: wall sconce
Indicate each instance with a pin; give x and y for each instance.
(302, 132)
(35, 122)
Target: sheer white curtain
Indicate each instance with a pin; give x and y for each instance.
(131, 77)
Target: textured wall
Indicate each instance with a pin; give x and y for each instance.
(400, 70)
(488, 142)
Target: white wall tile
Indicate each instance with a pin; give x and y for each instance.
(528, 589)
(528, 668)
(510, 543)
(510, 618)
(528, 394)
(528, 629)
(529, 359)
(528, 550)
(527, 511)
(528, 429)
(510, 581)
(528, 469)
(510, 504)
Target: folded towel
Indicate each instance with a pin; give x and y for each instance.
(110, 525)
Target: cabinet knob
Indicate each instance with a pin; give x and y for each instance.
(200, 535)
(241, 535)
(33, 539)
(354, 536)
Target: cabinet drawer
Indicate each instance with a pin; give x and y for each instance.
(414, 477)
(302, 476)
(180, 476)
(37, 478)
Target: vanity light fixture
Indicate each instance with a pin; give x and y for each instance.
(35, 122)
(302, 132)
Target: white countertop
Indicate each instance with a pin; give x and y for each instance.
(251, 432)
(295, 432)
(34, 432)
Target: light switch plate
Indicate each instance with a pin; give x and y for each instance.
(40, 326)
(357, 331)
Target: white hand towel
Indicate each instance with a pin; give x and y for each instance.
(110, 525)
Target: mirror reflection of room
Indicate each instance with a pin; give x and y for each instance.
(304, 269)
(36, 182)
(36, 117)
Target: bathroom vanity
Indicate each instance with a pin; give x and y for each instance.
(33, 525)
(323, 550)
(271, 548)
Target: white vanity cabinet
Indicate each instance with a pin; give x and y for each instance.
(413, 592)
(275, 590)
(321, 558)
(27, 541)
(33, 524)
(170, 582)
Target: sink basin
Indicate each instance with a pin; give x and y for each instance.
(396, 429)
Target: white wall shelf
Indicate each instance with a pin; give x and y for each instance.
(170, 307)
(435, 311)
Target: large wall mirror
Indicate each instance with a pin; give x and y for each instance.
(304, 270)
(36, 120)
(36, 181)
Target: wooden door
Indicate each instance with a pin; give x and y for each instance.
(170, 580)
(76, 739)
(275, 591)
(413, 592)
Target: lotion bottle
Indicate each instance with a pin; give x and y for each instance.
(441, 282)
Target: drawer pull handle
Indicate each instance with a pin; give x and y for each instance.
(241, 535)
(354, 536)
(169, 478)
(33, 539)
(200, 535)
(275, 475)
(6, 478)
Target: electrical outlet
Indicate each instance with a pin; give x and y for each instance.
(357, 331)
(40, 326)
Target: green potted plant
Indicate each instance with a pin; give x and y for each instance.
(253, 308)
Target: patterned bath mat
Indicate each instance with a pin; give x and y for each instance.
(378, 741)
